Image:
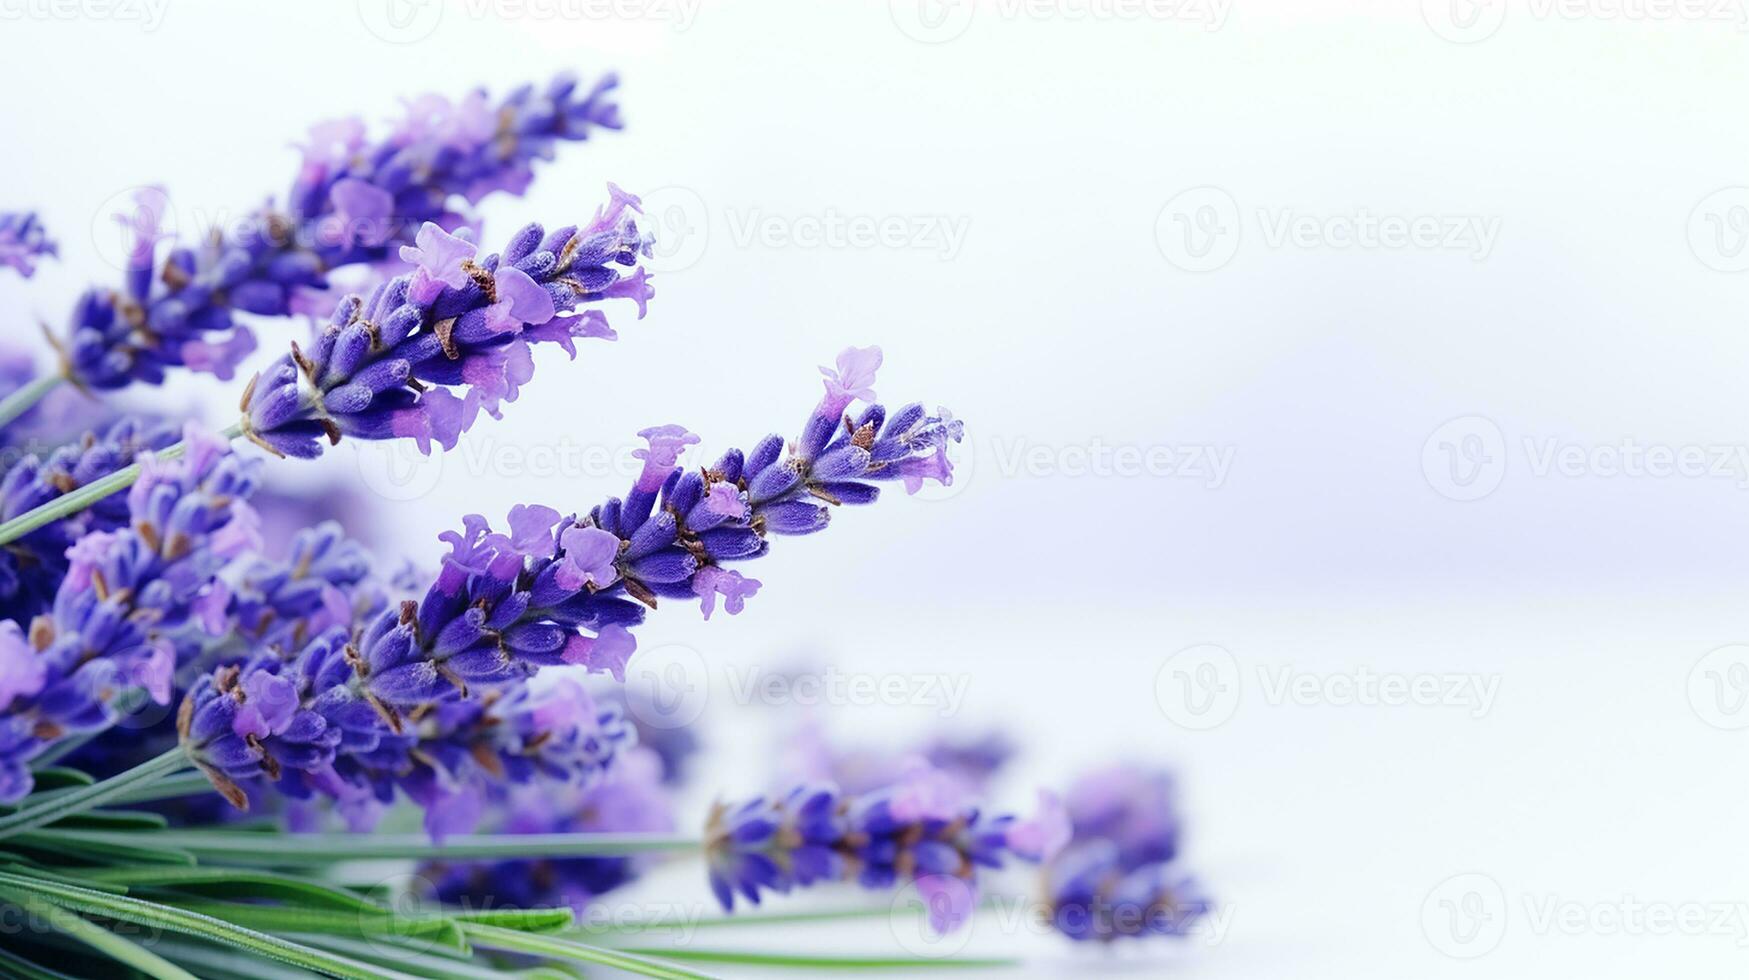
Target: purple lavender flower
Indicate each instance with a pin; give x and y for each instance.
(922, 829)
(357, 201)
(678, 529)
(178, 314)
(32, 567)
(451, 322)
(1095, 896)
(350, 203)
(630, 798)
(23, 241)
(127, 610)
(1134, 808)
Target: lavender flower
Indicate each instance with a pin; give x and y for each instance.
(23, 241)
(451, 322)
(133, 600)
(922, 829)
(362, 200)
(1094, 895)
(1118, 877)
(630, 798)
(349, 203)
(677, 529)
(32, 567)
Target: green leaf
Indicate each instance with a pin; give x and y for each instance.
(98, 938)
(220, 963)
(123, 820)
(120, 848)
(522, 920)
(280, 918)
(47, 875)
(285, 850)
(126, 909)
(58, 777)
(232, 882)
(39, 814)
(390, 953)
(565, 949)
(732, 957)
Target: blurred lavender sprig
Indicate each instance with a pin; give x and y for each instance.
(23, 242)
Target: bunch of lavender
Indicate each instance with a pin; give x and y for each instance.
(923, 829)
(451, 322)
(33, 567)
(23, 241)
(351, 202)
(1118, 877)
(132, 601)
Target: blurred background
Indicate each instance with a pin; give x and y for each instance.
(1353, 394)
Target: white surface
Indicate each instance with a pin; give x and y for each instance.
(1060, 322)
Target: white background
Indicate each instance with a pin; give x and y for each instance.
(1605, 313)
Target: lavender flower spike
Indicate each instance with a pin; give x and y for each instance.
(358, 201)
(921, 830)
(679, 530)
(383, 367)
(23, 241)
(132, 605)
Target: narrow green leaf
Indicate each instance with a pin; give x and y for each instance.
(33, 815)
(522, 920)
(126, 909)
(233, 882)
(51, 778)
(565, 949)
(122, 820)
(285, 850)
(422, 962)
(33, 871)
(280, 918)
(219, 963)
(98, 938)
(730, 957)
(119, 848)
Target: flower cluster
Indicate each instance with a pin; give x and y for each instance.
(451, 322)
(922, 829)
(132, 603)
(1118, 877)
(351, 202)
(32, 567)
(630, 798)
(23, 241)
(358, 200)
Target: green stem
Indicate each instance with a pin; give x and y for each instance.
(565, 949)
(90, 493)
(804, 961)
(32, 816)
(182, 784)
(277, 850)
(98, 938)
(23, 399)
